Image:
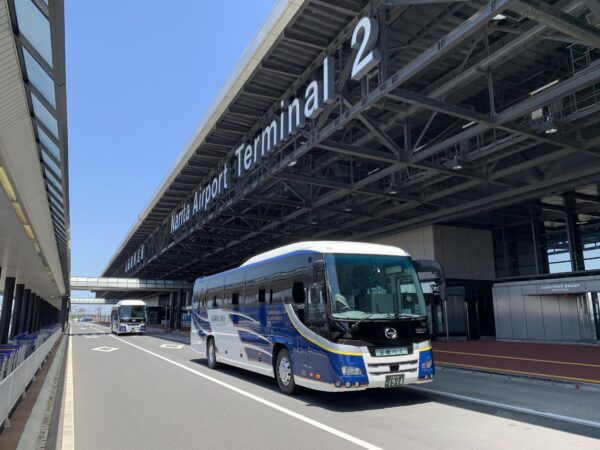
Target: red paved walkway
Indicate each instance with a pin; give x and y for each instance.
(563, 362)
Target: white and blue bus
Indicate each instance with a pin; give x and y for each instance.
(128, 316)
(333, 316)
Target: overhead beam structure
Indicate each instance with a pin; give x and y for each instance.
(472, 107)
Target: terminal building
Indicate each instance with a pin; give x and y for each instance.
(34, 177)
(462, 131)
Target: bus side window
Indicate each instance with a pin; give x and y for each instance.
(316, 308)
(251, 295)
(298, 293)
(281, 292)
(227, 298)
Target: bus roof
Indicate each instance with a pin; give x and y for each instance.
(361, 248)
(131, 303)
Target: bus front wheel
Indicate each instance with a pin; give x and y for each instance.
(211, 354)
(284, 373)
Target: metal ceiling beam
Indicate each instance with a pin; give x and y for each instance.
(386, 157)
(495, 201)
(587, 197)
(419, 2)
(594, 6)
(542, 12)
(306, 179)
(457, 79)
(474, 116)
(452, 40)
(578, 81)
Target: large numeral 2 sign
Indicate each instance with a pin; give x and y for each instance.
(364, 38)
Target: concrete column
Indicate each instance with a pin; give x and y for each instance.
(34, 302)
(43, 312)
(16, 314)
(9, 290)
(38, 320)
(35, 313)
(573, 235)
(171, 310)
(63, 313)
(178, 296)
(22, 328)
(29, 312)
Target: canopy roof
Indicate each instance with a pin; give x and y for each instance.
(475, 107)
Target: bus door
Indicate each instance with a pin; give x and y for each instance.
(316, 320)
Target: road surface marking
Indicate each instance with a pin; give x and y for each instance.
(68, 425)
(105, 349)
(256, 398)
(177, 346)
(520, 372)
(589, 423)
(91, 337)
(518, 358)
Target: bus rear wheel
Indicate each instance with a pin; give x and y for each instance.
(211, 354)
(284, 372)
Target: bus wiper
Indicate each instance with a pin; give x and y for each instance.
(355, 325)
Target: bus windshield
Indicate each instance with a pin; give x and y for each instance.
(373, 286)
(129, 312)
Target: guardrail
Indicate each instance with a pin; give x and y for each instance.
(19, 363)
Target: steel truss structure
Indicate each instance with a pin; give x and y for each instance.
(475, 106)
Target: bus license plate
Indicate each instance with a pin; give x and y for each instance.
(392, 381)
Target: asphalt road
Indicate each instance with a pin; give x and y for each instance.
(150, 392)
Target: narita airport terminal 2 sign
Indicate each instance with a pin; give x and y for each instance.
(293, 115)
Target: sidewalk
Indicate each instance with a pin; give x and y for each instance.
(576, 363)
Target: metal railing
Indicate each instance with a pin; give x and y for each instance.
(19, 362)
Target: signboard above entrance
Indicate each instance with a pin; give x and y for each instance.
(292, 117)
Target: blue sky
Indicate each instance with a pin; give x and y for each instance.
(140, 77)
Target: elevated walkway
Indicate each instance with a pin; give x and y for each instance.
(574, 363)
(127, 284)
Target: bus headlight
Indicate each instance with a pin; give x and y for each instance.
(427, 364)
(350, 370)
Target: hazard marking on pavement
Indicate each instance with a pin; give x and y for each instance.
(171, 346)
(105, 349)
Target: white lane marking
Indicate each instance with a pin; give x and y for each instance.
(576, 420)
(289, 412)
(177, 346)
(105, 349)
(68, 423)
(91, 337)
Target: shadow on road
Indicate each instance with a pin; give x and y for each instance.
(178, 338)
(374, 399)
(96, 333)
(333, 401)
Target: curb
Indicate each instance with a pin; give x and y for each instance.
(522, 378)
(36, 429)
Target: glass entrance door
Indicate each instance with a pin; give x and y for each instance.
(457, 312)
(588, 309)
(595, 300)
